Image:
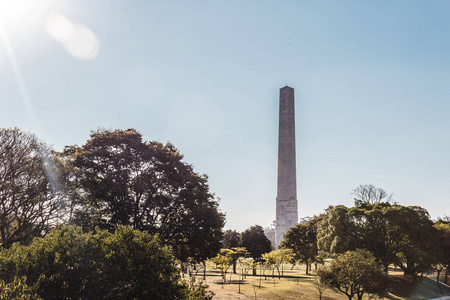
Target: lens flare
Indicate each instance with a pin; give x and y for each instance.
(78, 40)
(60, 28)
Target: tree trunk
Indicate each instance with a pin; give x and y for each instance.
(439, 274)
(204, 270)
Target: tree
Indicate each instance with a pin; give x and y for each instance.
(337, 232)
(18, 290)
(320, 285)
(370, 194)
(355, 273)
(419, 238)
(392, 233)
(70, 264)
(223, 261)
(256, 242)
(119, 179)
(238, 252)
(231, 239)
(277, 258)
(442, 249)
(29, 204)
(302, 240)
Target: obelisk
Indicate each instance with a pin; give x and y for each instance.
(287, 208)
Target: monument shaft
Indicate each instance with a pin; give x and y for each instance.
(286, 202)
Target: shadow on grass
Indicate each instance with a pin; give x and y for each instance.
(426, 288)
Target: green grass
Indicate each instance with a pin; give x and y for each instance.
(296, 285)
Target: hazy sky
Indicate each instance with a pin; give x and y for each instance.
(371, 80)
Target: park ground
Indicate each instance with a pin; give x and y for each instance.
(294, 284)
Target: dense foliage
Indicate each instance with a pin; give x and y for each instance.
(391, 232)
(302, 240)
(354, 273)
(442, 250)
(255, 241)
(70, 264)
(119, 179)
(231, 239)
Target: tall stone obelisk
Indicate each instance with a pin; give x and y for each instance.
(287, 208)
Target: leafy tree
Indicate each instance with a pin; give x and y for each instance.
(223, 261)
(355, 273)
(29, 204)
(277, 258)
(256, 242)
(302, 240)
(392, 233)
(337, 232)
(245, 264)
(238, 252)
(442, 249)
(231, 239)
(18, 290)
(419, 238)
(119, 179)
(70, 264)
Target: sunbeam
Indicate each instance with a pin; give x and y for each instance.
(49, 166)
(11, 57)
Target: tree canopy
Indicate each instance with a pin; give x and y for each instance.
(119, 179)
(302, 240)
(393, 233)
(231, 239)
(70, 264)
(255, 241)
(29, 204)
(355, 273)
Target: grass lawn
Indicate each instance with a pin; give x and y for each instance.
(296, 285)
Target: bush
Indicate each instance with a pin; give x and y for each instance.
(70, 264)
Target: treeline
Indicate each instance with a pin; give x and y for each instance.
(403, 236)
(115, 179)
(352, 248)
(375, 230)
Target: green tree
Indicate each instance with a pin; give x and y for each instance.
(392, 233)
(442, 249)
(70, 264)
(119, 179)
(302, 240)
(419, 238)
(29, 204)
(355, 273)
(238, 252)
(223, 261)
(256, 242)
(231, 239)
(17, 290)
(277, 258)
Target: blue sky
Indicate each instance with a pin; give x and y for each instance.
(371, 82)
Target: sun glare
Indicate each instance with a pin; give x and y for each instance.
(77, 39)
(20, 13)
